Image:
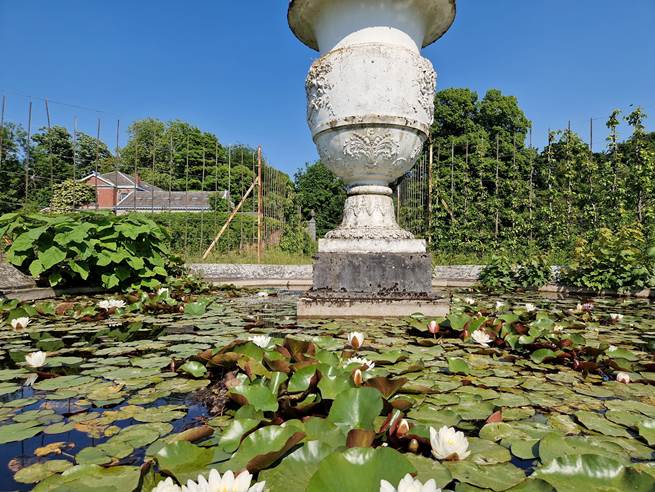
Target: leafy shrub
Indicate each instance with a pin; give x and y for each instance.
(498, 273)
(71, 194)
(535, 272)
(218, 203)
(620, 260)
(501, 273)
(189, 234)
(91, 249)
(296, 240)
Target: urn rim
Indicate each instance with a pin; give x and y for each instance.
(300, 10)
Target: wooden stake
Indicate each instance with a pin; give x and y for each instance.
(229, 220)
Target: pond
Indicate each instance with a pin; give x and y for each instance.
(116, 387)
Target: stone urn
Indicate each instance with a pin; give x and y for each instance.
(370, 106)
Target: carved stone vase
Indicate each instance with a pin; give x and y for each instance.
(370, 106)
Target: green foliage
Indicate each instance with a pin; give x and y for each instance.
(321, 192)
(70, 195)
(535, 272)
(87, 249)
(296, 240)
(492, 191)
(218, 203)
(189, 234)
(498, 273)
(622, 259)
(501, 273)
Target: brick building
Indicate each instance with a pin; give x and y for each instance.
(123, 193)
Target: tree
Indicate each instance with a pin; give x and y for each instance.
(71, 195)
(12, 174)
(319, 190)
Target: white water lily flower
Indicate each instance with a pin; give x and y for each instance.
(449, 444)
(481, 337)
(167, 486)
(163, 290)
(469, 300)
(36, 359)
(227, 483)
(356, 339)
(623, 377)
(20, 323)
(616, 317)
(530, 307)
(262, 294)
(262, 341)
(499, 304)
(108, 304)
(410, 484)
(361, 361)
(612, 348)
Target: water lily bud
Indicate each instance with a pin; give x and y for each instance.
(433, 327)
(356, 339)
(413, 446)
(623, 377)
(358, 377)
(403, 428)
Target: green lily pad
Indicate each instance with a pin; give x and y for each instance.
(40, 471)
(296, 470)
(593, 472)
(495, 477)
(359, 469)
(92, 478)
(356, 408)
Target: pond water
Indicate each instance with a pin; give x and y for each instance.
(117, 394)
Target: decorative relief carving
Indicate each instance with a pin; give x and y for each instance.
(317, 87)
(369, 233)
(369, 217)
(372, 146)
(427, 82)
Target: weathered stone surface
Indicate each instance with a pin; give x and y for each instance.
(325, 305)
(228, 272)
(374, 273)
(11, 279)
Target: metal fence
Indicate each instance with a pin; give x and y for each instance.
(44, 143)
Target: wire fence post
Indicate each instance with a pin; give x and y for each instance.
(95, 180)
(260, 196)
(2, 125)
(28, 153)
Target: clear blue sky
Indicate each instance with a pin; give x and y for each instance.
(234, 68)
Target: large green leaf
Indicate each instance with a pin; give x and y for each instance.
(494, 477)
(295, 471)
(92, 478)
(51, 256)
(359, 470)
(589, 472)
(265, 446)
(333, 381)
(183, 460)
(260, 397)
(356, 408)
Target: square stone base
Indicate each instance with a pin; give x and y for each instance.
(315, 305)
(373, 273)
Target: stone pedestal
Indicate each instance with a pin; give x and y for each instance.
(373, 273)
